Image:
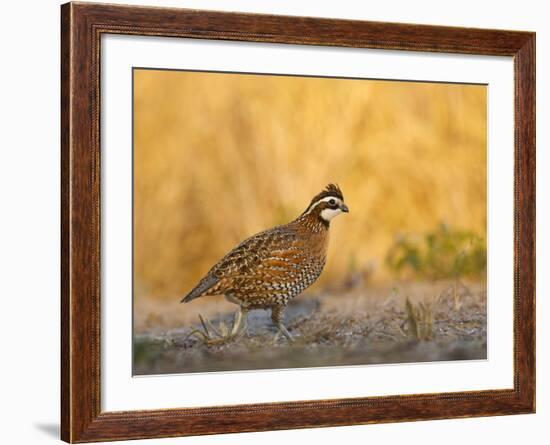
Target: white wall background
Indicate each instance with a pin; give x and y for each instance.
(29, 232)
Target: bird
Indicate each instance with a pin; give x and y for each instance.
(269, 269)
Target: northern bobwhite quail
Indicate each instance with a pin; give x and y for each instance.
(267, 270)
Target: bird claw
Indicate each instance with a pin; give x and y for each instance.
(283, 332)
(212, 336)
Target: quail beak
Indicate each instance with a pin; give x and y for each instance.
(344, 208)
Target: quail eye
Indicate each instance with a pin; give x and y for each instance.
(332, 202)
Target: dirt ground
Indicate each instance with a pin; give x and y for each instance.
(348, 325)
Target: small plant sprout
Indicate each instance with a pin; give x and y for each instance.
(221, 335)
(419, 320)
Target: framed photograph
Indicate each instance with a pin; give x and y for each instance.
(274, 222)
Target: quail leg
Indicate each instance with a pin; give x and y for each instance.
(237, 320)
(239, 323)
(277, 313)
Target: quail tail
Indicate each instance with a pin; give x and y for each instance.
(203, 286)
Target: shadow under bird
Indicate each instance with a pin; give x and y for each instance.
(267, 270)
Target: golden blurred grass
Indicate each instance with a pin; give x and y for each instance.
(219, 157)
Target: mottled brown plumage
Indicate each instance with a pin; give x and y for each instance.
(267, 270)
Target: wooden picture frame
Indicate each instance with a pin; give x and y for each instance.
(82, 25)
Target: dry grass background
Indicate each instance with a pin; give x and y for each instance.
(219, 157)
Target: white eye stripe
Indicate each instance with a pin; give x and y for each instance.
(330, 198)
(326, 199)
